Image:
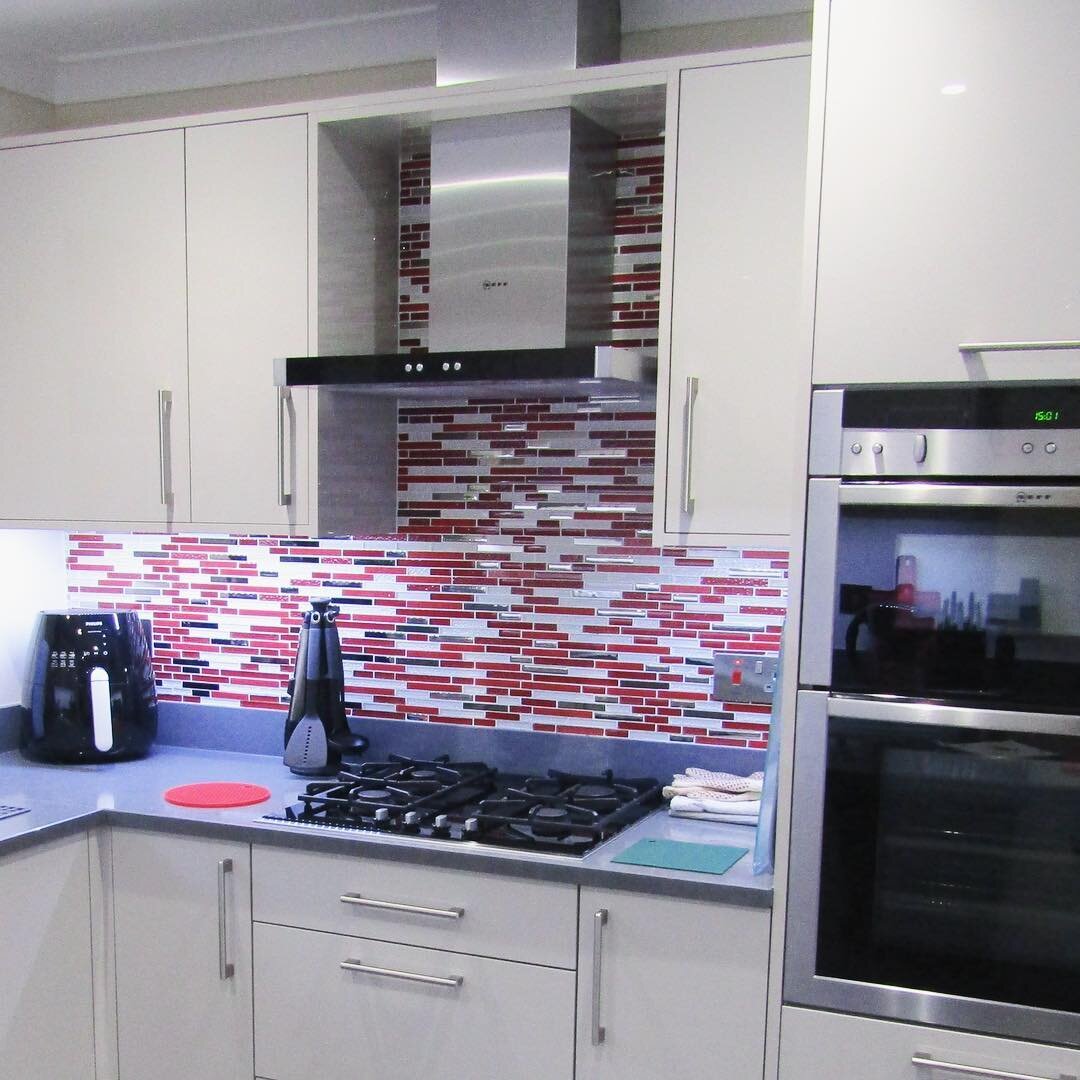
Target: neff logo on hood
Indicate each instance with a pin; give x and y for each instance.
(1033, 496)
(488, 284)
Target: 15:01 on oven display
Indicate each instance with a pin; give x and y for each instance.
(1047, 416)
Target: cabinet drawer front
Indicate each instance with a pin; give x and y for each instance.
(532, 921)
(859, 1047)
(409, 1013)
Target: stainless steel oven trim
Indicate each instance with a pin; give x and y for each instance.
(819, 582)
(801, 985)
(958, 496)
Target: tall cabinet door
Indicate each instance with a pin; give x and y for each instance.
(949, 213)
(247, 281)
(93, 360)
(182, 917)
(736, 354)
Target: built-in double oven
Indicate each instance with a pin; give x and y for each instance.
(935, 866)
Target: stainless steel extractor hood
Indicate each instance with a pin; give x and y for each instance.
(522, 222)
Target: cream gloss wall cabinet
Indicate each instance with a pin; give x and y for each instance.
(182, 925)
(147, 280)
(670, 988)
(93, 384)
(834, 1046)
(726, 448)
(46, 983)
(949, 216)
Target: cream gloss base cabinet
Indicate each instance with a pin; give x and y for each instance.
(728, 410)
(46, 979)
(670, 988)
(948, 211)
(834, 1046)
(369, 967)
(182, 928)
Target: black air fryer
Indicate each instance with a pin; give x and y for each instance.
(90, 693)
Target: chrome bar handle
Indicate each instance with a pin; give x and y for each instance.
(600, 918)
(408, 976)
(226, 969)
(688, 444)
(164, 406)
(1016, 346)
(921, 1060)
(284, 396)
(410, 909)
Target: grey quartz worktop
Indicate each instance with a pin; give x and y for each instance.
(66, 798)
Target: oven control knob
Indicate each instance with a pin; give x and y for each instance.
(1027, 448)
(856, 447)
(877, 448)
(919, 449)
(1051, 447)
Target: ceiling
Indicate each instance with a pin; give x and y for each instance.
(85, 50)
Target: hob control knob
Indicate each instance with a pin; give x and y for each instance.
(442, 822)
(472, 827)
(382, 815)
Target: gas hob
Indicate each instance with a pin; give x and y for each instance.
(558, 812)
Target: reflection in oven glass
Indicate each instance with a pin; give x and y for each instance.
(972, 844)
(980, 605)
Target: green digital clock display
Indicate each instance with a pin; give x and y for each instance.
(1047, 416)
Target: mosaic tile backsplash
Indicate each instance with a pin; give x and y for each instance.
(573, 636)
(523, 592)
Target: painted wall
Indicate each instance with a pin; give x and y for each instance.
(32, 579)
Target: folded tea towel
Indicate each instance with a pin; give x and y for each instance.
(731, 783)
(745, 810)
(723, 819)
(710, 793)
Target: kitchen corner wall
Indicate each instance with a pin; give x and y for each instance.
(523, 592)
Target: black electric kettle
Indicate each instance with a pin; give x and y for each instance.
(316, 731)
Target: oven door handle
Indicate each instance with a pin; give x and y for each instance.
(917, 712)
(925, 1062)
(959, 496)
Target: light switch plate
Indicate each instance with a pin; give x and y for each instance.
(744, 677)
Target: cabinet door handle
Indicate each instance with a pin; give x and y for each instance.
(284, 397)
(1016, 346)
(164, 412)
(688, 444)
(411, 909)
(922, 1060)
(600, 918)
(408, 976)
(226, 968)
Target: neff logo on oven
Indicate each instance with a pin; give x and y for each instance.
(1033, 496)
(489, 284)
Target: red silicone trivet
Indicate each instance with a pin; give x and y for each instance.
(216, 795)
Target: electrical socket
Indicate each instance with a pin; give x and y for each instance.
(744, 677)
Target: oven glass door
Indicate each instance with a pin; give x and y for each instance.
(963, 593)
(936, 876)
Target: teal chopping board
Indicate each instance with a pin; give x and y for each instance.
(679, 855)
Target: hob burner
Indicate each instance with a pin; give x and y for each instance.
(443, 799)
